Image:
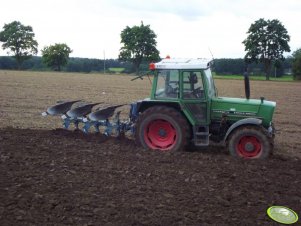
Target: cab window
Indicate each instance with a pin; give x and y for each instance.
(167, 84)
(193, 85)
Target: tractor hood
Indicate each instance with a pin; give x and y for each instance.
(240, 108)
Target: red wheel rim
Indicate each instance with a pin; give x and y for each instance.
(249, 146)
(160, 134)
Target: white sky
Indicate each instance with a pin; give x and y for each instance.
(184, 28)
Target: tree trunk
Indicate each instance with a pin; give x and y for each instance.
(267, 68)
(136, 67)
(19, 62)
(18, 65)
(137, 63)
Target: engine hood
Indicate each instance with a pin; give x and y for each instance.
(239, 108)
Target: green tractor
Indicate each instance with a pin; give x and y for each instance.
(185, 110)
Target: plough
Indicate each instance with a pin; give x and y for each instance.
(99, 119)
(183, 109)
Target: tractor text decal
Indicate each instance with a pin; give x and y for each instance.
(235, 112)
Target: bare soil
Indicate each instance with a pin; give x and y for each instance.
(57, 177)
(51, 176)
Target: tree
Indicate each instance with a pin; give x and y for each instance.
(296, 66)
(19, 39)
(229, 66)
(139, 43)
(266, 42)
(56, 55)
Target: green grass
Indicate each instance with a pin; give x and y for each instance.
(116, 69)
(286, 78)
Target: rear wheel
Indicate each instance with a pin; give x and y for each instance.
(162, 128)
(250, 142)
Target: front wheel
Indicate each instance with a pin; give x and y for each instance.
(162, 128)
(250, 142)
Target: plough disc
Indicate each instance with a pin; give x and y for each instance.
(60, 108)
(103, 114)
(97, 119)
(80, 111)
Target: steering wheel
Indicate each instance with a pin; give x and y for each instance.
(198, 92)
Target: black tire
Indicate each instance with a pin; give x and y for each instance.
(162, 128)
(250, 142)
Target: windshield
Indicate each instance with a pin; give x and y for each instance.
(167, 84)
(211, 86)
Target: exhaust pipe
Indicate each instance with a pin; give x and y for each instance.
(247, 83)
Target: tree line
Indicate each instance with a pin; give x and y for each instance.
(266, 42)
(74, 64)
(224, 66)
(238, 66)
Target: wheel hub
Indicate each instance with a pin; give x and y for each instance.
(162, 133)
(249, 147)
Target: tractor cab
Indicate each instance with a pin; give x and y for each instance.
(182, 79)
(188, 84)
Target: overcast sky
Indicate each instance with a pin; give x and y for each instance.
(184, 28)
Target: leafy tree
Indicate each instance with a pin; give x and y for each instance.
(19, 39)
(296, 66)
(56, 55)
(139, 43)
(229, 66)
(266, 42)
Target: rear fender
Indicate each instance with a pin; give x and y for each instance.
(142, 105)
(246, 121)
(147, 104)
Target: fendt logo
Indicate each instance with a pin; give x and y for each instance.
(235, 112)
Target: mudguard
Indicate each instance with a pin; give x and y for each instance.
(246, 121)
(147, 103)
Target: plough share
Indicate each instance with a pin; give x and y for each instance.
(99, 119)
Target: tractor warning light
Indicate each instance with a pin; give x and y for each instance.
(152, 66)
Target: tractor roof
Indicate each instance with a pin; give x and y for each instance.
(183, 63)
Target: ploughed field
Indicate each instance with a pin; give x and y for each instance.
(51, 176)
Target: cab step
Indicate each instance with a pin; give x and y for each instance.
(201, 135)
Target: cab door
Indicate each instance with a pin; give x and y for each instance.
(193, 97)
